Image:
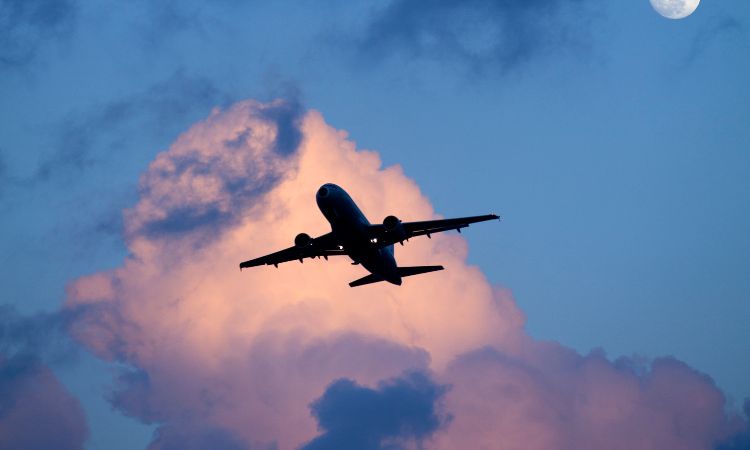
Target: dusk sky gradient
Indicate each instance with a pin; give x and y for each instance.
(146, 148)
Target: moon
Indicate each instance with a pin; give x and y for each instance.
(675, 9)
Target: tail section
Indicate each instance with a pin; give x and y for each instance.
(416, 270)
(372, 278)
(402, 272)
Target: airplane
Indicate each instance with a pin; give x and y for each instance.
(370, 245)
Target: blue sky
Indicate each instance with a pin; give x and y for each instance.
(613, 141)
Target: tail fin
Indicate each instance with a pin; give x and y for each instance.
(402, 272)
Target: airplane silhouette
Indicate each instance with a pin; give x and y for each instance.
(370, 245)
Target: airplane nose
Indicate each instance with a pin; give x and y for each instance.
(323, 192)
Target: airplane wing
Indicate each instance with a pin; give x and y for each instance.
(325, 246)
(407, 230)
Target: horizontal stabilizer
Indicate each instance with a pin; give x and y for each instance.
(372, 278)
(402, 272)
(416, 270)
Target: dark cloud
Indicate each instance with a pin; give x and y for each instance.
(234, 175)
(160, 111)
(39, 336)
(209, 218)
(288, 117)
(185, 220)
(275, 374)
(399, 411)
(26, 24)
(741, 440)
(131, 395)
(198, 437)
(36, 411)
(713, 30)
(481, 34)
(166, 19)
(172, 16)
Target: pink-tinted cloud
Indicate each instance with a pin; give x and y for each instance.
(239, 357)
(557, 399)
(36, 411)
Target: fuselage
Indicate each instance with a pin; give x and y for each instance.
(350, 225)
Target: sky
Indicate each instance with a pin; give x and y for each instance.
(148, 147)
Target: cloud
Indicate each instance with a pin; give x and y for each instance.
(36, 411)
(198, 189)
(25, 25)
(42, 335)
(288, 117)
(741, 440)
(482, 35)
(553, 398)
(100, 134)
(166, 19)
(715, 29)
(238, 357)
(198, 438)
(400, 410)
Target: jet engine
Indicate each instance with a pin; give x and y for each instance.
(394, 229)
(302, 240)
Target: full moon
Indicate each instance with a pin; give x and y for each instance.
(675, 9)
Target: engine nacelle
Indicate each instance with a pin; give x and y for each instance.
(391, 223)
(394, 229)
(302, 240)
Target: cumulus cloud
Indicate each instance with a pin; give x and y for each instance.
(481, 34)
(553, 398)
(196, 189)
(36, 411)
(218, 355)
